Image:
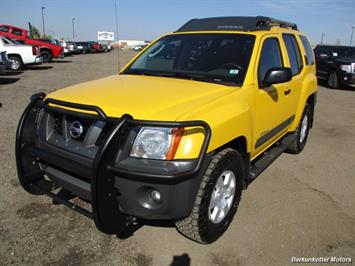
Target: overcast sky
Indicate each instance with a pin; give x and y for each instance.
(147, 19)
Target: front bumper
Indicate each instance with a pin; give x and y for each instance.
(39, 60)
(347, 78)
(2, 69)
(61, 55)
(115, 185)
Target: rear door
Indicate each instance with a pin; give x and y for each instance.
(296, 62)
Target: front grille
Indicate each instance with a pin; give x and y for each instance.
(74, 133)
(58, 125)
(85, 123)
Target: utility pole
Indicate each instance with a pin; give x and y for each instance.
(72, 21)
(321, 38)
(44, 32)
(118, 42)
(352, 33)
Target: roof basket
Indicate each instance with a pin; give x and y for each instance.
(235, 23)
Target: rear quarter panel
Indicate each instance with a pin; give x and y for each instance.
(309, 85)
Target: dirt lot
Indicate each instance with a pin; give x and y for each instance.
(301, 206)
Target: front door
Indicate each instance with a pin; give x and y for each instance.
(271, 113)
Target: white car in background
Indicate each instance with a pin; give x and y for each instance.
(140, 47)
(20, 54)
(65, 46)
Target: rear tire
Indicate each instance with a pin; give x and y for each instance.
(217, 199)
(16, 62)
(302, 132)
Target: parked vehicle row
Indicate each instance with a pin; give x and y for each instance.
(18, 49)
(82, 47)
(48, 50)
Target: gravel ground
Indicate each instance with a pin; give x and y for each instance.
(300, 206)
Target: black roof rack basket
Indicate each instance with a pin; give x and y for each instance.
(235, 23)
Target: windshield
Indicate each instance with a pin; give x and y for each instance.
(219, 58)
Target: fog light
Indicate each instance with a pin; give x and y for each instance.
(155, 195)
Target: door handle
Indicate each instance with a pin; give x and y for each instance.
(287, 92)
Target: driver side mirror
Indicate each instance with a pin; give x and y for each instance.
(277, 75)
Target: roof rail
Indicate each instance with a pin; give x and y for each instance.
(235, 23)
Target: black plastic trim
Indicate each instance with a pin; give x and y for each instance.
(264, 138)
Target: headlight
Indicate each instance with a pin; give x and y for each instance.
(346, 68)
(156, 143)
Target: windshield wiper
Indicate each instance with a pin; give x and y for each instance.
(190, 76)
(199, 77)
(141, 72)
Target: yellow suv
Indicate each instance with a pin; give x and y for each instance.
(179, 132)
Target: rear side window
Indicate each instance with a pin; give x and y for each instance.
(293, 53)
(5, 41)
(322, 51)
(270, 57)
(16, 32)
(308, 49)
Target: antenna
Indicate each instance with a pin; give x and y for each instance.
(118, 43)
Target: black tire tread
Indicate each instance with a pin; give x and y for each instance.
(294, 147)
(337, 81)
(190, 226)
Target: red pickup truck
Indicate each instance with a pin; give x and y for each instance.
(47, 50)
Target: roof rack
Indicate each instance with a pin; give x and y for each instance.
(235, 23)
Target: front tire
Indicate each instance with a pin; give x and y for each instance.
(333, 81)
(16, 62)
(217, 199)
(302, 132)
(47, 56)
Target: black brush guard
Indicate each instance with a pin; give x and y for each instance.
(105, 209)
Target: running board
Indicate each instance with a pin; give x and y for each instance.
(269, 156)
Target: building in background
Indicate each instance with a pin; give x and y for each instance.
(129, 44)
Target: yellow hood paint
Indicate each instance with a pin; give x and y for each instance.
(143, 97)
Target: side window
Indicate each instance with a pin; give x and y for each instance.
(293, 53)
(5, 41)
(4, 28)
(322, 52)
(270, 57)
(16, 32)
(308, 49)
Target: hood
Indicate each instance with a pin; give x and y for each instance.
(345, 59)
(143, 97)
